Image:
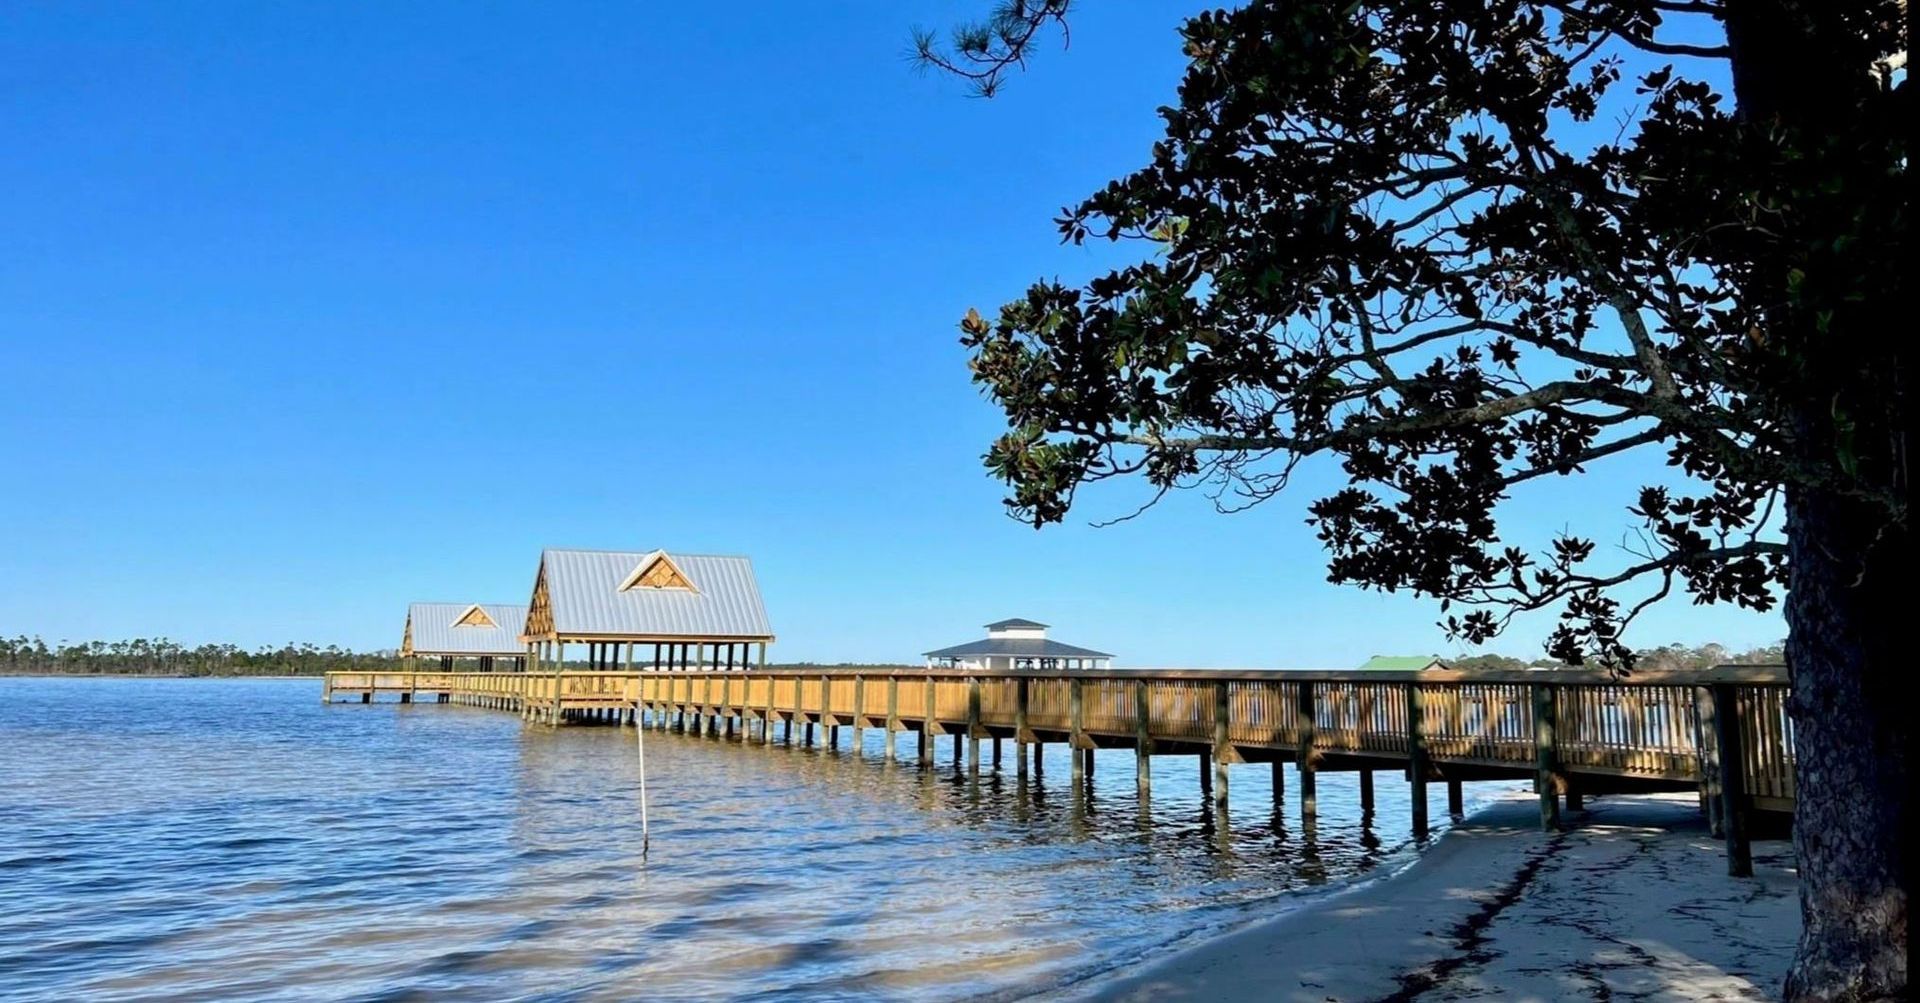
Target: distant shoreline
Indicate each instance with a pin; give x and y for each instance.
(165, 675)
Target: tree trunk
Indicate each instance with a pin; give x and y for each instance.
(1850, 712)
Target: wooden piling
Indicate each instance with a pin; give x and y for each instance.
(1305, 723)
(1142, 739)
(1075, 710)
(1417, 758)
(1020, 732)
(1733, 807)
(973, 727)
(1222, 748)
(1546, 755)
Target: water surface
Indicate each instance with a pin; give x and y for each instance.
(194, 839)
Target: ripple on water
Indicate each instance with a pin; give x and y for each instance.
(234, 838)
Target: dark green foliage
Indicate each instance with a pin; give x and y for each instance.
(1453, 248)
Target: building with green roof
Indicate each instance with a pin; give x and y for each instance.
(1405, 663)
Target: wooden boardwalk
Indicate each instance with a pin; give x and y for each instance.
(1723, 732)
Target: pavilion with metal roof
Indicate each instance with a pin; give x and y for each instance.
(451, 630)
(690, 610)
(1017, 644)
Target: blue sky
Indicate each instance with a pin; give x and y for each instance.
(309, 310)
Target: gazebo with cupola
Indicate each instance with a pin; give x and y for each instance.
(1017, 644)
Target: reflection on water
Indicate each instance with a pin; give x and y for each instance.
(236, 838)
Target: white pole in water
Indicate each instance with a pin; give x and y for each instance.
(640, 737)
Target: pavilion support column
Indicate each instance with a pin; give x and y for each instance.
(1305, 725)
(1142, 739)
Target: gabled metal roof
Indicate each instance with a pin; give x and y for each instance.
(1019, 647)
(1015, 622)
(583, 590)
(430, 625)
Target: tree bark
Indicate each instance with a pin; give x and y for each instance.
(1850, 711)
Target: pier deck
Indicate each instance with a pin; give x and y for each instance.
(1723, 732)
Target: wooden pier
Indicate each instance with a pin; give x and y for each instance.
(1723, 732)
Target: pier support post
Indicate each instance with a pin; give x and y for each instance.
(1546, 755)
(1366, 793)
(1417, 758)
(926, 727)
(1733, 784)
(1279, 781)
(1206, 773)
(1306, 728)
(1074, 710)
(1020, 726)
(1142, 739)
(1456, 800)
(893, 716)
(859, 710)
(830, 734)
(1222, 749)
(766, 717)
(1705, 738)
(973, 727)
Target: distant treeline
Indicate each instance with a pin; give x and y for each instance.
(160, 657)
(1670, 657)
(24, 655)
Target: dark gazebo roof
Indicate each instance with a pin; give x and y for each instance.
(1019, 647)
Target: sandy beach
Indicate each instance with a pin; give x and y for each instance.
(1631, 902)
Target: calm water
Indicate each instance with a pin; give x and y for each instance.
(237, 839)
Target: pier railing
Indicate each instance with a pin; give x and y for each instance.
(1723, 731)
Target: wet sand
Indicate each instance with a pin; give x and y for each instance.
(1632, 902)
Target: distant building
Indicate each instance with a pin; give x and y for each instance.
(693, 611)
(1405, 663)
(447, 630)
(1017, 644)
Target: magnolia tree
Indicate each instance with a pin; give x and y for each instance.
(1456, 249)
